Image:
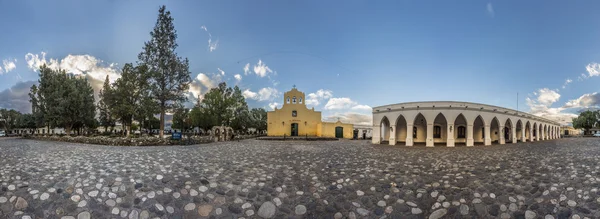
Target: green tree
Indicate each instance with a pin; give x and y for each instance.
(201, 119)
(170, 73)
(181, 119)
(27, 121)
(63, 100)
(586, 120)
(129, 92)
(240, 115)
(9, 119)
(104, 106)
(259, 119)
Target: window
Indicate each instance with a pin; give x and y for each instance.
(437, 131)
(294, 113)
(414, 132)
(294, 100)
(288, 100)
(300, 100)
(461, 132)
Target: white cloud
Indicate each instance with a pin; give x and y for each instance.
(593, 69)
(547, 96)
(77, 64)
(490, 9)
(9, 65)
(350, 117)
(585, 101)
(261, 69)
(238, 77)
(221, 71)
(340, 103)
(274, 105)
(567, 82)
(315, 98)
(202, 84)
(212, 45)
(362, 107)
(247, 69)
(264, 94)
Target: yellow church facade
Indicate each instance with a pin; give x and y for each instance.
(295, 119)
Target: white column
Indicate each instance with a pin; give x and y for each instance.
(530, 133)
(429, 141)
(469, 135)
(523, 134)
(450, 133)
(501, 139)
(392, 135)
(409, 134)
(376, 138)
(537, 134)
(514, 134)
(488, 137)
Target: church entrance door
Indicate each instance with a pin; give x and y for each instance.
(294, 129)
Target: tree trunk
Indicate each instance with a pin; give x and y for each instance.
(162, 124)
(67, 130)
(128, 127)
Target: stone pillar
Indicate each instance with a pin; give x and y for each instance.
(514, 134)
(429, 141)
(523, 139)
(450, 133)
(409, 134)
(376, 137)
(530, 134)
(537, 134)
(488, 137)
(469, 135)
(501, 139)
(392, 135)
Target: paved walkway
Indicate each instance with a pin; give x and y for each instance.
(299, 179)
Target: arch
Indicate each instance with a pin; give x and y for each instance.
(294, 100)
(440, 130)
(420, 129)
(460, 127)
(545, 135)
(478, 130)
(401, 129)
(520, 131)
(495, 131)
(507, 133)
(528, 132)
(385, 130)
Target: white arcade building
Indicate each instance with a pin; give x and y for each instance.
(449, 123)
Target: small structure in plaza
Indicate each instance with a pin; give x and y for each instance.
(569, 131)
(449, 123)
(221, 133)
(295, 119)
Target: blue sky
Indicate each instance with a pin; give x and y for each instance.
(360, 54)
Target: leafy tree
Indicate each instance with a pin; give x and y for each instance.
(170, 74)
(104, 107)
(240, 119)
(129, 92)
(27, 121)
(586, 120)
(152, 123)
(201, 119)
(181, 119)
(259, 119)
(63, 100)
(9, 119)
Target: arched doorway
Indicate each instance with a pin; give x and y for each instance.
(440, 127)
(419, 131)
(508, 135)
(519, 130)
(294, 129)
(528, 131)
(460, 133)
(339, 132)
(479, 131)
(385, 131)
(401, 130)
(495, 131)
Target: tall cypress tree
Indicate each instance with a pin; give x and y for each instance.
(170, 74)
